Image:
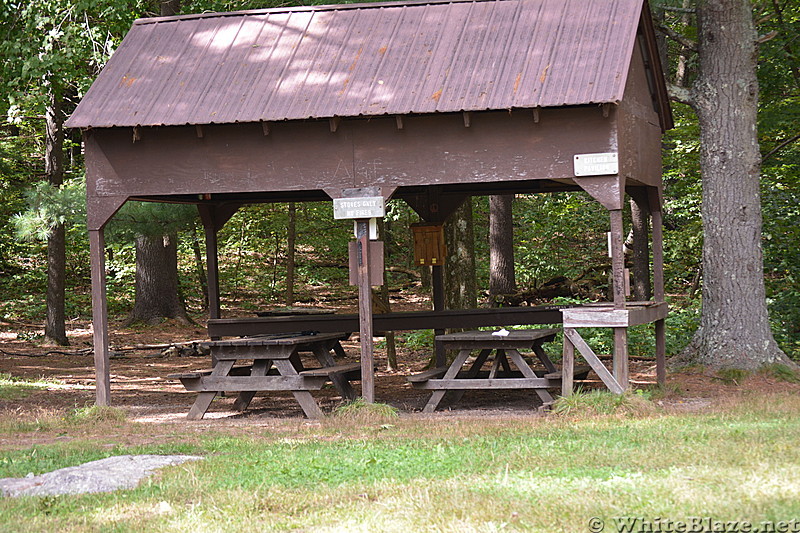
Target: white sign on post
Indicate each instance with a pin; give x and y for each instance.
(366, 207)
(596, 164)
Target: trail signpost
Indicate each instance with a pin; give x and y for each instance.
(364, 206)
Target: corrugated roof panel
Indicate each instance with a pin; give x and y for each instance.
(364, 60)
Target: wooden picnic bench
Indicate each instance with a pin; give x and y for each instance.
(457, 377)
(276, 366)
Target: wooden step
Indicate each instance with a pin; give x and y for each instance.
(329, 370)
(239, 370)
(428, 374)
(580, 372)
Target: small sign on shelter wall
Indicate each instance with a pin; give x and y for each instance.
(429, 246)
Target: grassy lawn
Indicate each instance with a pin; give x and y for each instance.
(738, 461)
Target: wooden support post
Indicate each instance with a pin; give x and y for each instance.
(661, 353)
(100, 317)
(617, 258)
(437, 287)
(365, 312)
(567, 367)
(620, 360)
(214, 216)
(212, 271)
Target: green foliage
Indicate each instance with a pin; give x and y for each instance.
(420, 339)
(149, 218)
(558, 234)
(50, 206)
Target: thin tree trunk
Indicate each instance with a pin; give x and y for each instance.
(291, 241)
(157, 280)
(734, 326)
(459, 270)
(501, 248)
(55, 328)
(202, 277)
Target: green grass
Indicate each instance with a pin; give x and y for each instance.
(14, 388)
(441, 474)
(781, 372)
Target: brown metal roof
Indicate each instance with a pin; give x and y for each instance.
(364, 60)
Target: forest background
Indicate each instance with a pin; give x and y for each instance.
(53, 49)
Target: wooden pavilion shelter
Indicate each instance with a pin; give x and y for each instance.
(428, 101)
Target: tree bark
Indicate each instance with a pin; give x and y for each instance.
(169, 8)
(734, 327)
(202, 276)
(55, 328)
(459, 270)
(501, 248)
(640, 215)
(157, 280)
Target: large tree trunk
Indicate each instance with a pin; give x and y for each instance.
(54, 329)
(460, 286)
(734, 328)
(501, 247)
(640, 216)
(157, 280)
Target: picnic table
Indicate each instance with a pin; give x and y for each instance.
(460, 376)
(276, 366)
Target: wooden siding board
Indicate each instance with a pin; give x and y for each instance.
(430, 150)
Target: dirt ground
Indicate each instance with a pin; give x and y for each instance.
(140, 386)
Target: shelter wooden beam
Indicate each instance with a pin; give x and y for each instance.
(100, 317)
(213, 218)
(617, 258)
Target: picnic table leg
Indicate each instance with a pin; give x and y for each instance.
(542, 355)
(528, 373)
(503, 360)
(339, 381)
(568, 368)
(452, 372)
(260, 368)
(303, 397)
(204, 399)
(338, 350)
(456, 395)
